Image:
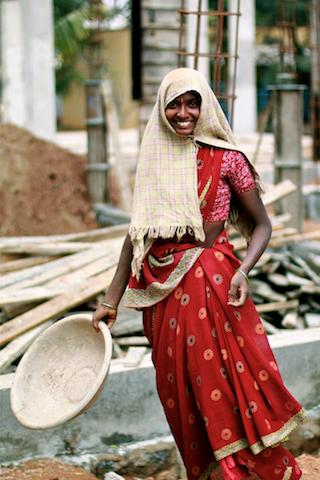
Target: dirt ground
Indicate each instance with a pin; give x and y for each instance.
(42, 186)
(47, 469)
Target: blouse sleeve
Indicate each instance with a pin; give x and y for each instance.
(238, 172)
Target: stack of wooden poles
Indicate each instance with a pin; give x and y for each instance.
(45, 278)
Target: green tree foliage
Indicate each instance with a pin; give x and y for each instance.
(267, 12)
(70, 37)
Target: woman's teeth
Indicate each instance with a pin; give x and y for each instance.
(183, 124)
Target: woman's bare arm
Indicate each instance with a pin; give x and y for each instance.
(116, 289)
(252, 204)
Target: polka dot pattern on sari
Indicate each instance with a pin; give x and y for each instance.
(216, 395)
(202, 313)
(263, 375)
(185, 299)
(217, 278)
(208, 354)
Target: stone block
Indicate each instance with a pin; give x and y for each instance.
(306, 438)
(155, 458)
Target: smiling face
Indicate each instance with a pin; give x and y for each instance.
(183, 113)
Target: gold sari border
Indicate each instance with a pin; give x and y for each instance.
(284, 431)
(233, 447)
(267, 441)
(156, 291)
(211, 467)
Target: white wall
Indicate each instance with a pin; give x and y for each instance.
(28, 65)
(245, 113)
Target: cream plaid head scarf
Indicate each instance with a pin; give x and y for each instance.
(165, 201)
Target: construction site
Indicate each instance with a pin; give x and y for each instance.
(67, 173)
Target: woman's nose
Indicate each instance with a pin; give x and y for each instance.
(182, 112)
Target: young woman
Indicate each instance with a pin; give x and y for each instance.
(217, 378)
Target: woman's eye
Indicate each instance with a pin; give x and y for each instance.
(172, 105)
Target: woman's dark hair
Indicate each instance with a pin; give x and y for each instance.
(197, 95)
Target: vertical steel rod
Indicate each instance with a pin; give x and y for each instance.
(181, 35)
(233, 91)
(196, 48)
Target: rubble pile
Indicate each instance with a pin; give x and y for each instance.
(43, 278)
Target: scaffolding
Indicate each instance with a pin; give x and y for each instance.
(179, 33)
(287, 23)
(222, 57)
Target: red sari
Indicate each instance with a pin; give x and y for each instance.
(217, 378)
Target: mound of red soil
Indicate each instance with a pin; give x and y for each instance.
(42, 186)
(45, 469)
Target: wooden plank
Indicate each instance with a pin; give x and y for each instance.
(283, 232)
(132, 341)
(314, 261)
(134, 356)
(277, 306)
(278, 238)
(100, 265)
(49, 249)
(289, 266)
(312, 289)
(278, 192)
(278, 220)
(312, 320)
(43, 273)
(21, 263)
(298, 281)
(299, 237)
(269, 328)
(265, 291)
(18, 346)
(307, 270)
(29, 295)
(105, 233)
(59, 285)
(278, 279)
(55, 307)
(290, 320)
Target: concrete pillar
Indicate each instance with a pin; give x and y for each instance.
(287, 128)
(315, 76)
(11, 44)
(191, 29)
(28, 65)
(245, 111)
(97, 166)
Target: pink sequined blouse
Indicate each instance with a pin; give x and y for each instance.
(236, 176)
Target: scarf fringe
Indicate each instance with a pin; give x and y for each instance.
(143, 237)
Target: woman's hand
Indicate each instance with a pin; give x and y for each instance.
(105, 314)
(238, 291)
